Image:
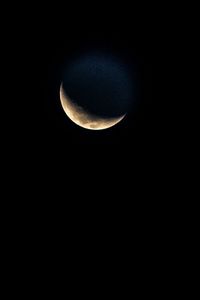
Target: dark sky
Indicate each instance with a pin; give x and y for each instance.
(132, 149)
(119, 169)
(53, 163)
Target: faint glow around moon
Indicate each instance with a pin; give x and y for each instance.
(82, 117)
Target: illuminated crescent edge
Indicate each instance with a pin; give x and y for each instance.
(82, 117)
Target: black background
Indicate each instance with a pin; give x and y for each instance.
(133, 147)
(125, 161)
(70, 187)
(127, 157)
(75, 185)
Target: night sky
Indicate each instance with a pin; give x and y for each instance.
(71, 175)
(128, 152)
(79, 187)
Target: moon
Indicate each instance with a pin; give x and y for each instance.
(80, 116)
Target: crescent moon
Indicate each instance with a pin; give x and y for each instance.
(82, 117)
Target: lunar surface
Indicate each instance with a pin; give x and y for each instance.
(96, 90)
(84, 118)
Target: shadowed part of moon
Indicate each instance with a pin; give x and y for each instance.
(82, 117)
